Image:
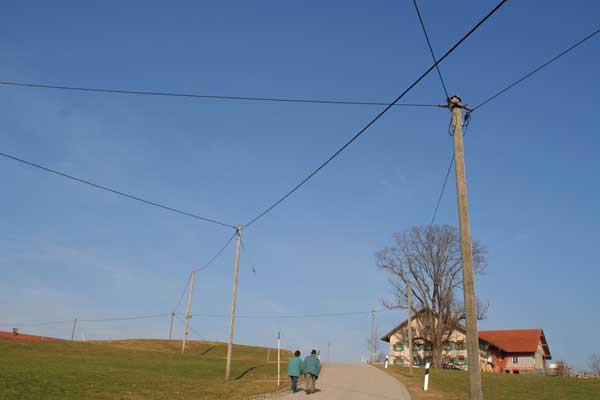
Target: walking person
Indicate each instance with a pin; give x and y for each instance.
(312, 369)
(295, 369)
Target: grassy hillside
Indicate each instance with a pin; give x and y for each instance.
(452, 385)
(132, 369)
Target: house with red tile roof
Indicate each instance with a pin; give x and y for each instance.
(517, 350)
(16, 335)
(501, 351)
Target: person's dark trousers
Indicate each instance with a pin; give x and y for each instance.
(294, 383)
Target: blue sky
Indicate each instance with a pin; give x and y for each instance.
(71, 251)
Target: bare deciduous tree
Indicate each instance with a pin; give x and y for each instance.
(429, 258)
(594, 363)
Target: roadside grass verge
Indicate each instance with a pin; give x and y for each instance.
(132, 370)
(453, 385)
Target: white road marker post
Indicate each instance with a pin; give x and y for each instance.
(278, 359)
(387, 360)
(426, 383)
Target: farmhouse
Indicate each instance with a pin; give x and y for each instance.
(506, 351)
(16, 335)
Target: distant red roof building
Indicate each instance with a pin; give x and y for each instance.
(517, 340)
(15, 335)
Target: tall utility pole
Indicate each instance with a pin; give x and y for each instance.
(409, 327)
(233, 301)
(373, 339)
(466, 250)
(74, 327)
(171, 326)
(188, 311)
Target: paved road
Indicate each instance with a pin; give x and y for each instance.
(353, 382)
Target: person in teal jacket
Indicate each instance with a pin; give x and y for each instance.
(312, 369)
(295, 369)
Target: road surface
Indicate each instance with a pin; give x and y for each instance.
(353, 382)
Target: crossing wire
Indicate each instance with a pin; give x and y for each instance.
(245, 316)
(114, 191)
(204, 96)
(499, 93)
(294, 316)
(185, 288)
(212, 260)
(437, 67)
(536, 70)
(386, 109)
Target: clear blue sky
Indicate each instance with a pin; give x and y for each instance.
(68, 250)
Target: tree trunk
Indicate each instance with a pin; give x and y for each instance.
(436, 357)
(436, 351)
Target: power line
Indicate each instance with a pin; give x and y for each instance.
(37, 323)
(437, 205)
(208, 264)
(247, 316)
(467, 117)
(185, 289)
(251, 263)
(114, 191)
(205, 96)
(386, 109)
(152, 316)
(125, 318)
(431, 48)
(294, 316)
(553, 59)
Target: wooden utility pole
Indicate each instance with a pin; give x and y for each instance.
(74, 327)
(233, 301)
(409, 327)
(171, 326)
(278, 359)
(466, 250)
(188, 311)
(373, 340)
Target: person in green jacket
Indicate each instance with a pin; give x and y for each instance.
(312, 369)
(295, 369)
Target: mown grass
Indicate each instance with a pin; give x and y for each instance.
(132, 369)
(453, 385)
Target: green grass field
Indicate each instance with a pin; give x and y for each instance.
(133, 369)
(452, 385)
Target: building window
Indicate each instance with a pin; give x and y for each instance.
(515, 360)
(427, 347)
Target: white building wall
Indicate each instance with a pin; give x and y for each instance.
(526, 360)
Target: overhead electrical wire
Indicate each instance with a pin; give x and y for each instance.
(437, 67)
(114, 191)
(536, 70)
(203, 267)
(212, 260)
(152, 316)
(206, 96)
(377, 117)
(136, 317)
(245, 316)
(499, 93)
(437, 205)
(293, 316)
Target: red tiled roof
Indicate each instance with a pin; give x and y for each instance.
(517, 340)
(22, 336)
